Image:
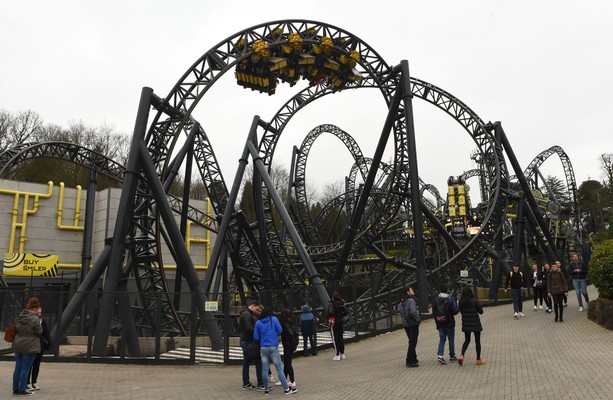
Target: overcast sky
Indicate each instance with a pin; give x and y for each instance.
(542, 68)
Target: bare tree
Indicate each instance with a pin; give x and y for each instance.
(607, 166)
(18, 128)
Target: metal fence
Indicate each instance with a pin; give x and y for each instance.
(76, 343)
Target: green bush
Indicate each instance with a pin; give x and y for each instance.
(601, 269)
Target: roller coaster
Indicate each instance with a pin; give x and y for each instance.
(386, 230)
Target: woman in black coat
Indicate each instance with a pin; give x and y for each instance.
(471, 322)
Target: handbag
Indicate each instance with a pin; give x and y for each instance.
(253, 351)
(9, 334)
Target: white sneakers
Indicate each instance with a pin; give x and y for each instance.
(515, 315)
(343, 355)
(536, 308)
(336, 358)
(580, 308)
(521, 314)
(540, 307)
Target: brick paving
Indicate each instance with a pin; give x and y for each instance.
(529, 358)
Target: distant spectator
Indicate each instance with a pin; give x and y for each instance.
(578, 271)
(410, 321)
(336, 316)
(517, 282)
(26, 345)
(267, 332)
(471, 322)
(538, 287)
(444, 308)
(557, 289)
(308, 327)
(246, 323)
(289, 338)
(45, 344)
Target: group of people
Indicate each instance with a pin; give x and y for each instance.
(31, 339)
(444, 309)
(260, 332)
(550, 286)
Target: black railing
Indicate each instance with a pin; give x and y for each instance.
(157, 347)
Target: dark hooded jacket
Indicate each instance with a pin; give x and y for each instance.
(307, 321)
(29, 330)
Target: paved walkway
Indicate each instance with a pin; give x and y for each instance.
(529, 358)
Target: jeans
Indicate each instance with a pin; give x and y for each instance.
(247, 362)
(517, 301)
(23, 363)
(270, 354)
(581, 289)
(310, 338)
(444, 332)
(412, 334)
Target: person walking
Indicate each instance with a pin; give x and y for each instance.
(267, 331)
(289, 339)
(517, 282)
(308, 328)
(578, 271)
(246, 324)
(26, 345)
(538, 287)
(444, 308)
(557, 289)
(565, 273)
(336, 315)
(45, 344)
(545, 275)
(471, 323)
(410, 321)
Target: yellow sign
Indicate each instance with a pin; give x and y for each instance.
(27, 264)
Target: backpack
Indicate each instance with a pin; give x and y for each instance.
(441, 312)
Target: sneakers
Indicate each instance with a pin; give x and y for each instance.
(453, 359)
(248, 386)
(549, 310)
(480, 362)
(461, 359)
(259, 387)
(413, 365)
(271, 379)
(536, 308)
(291, 390)
(26, 393)
(336, 358)
(541, 307)
(581, 308)
(292, 385)
(343, 356)
(441, 360)
(266, 392)
(515, 316)
(278, 383)
(521, 314)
